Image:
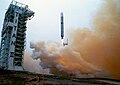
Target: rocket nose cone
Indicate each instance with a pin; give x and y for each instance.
(61, 13)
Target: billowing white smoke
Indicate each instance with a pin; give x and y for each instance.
(33, 65)
(47, 52)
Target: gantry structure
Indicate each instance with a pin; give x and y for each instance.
(13, 36)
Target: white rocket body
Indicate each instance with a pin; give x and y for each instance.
(62, 26)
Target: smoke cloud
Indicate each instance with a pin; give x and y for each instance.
(32, 65)
(89, 51)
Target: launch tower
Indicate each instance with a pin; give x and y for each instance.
(13, 36)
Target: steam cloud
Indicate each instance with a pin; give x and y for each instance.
(89, 51)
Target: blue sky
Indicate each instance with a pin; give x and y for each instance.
(46, 23)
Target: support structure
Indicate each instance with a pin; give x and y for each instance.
(13, 36)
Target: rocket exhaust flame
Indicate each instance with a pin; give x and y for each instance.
(95, 51)
(62, 41)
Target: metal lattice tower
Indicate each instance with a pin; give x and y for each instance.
(13, 36)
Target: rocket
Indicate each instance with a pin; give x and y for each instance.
(62, 30)
(62, 26)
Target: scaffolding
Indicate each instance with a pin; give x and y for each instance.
(13, 36)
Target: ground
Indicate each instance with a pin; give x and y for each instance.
(27, 78)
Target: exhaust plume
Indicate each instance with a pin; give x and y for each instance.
(32, 65)
(95, 51)
(63, 59)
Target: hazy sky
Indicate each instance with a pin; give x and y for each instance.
(46, 23)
